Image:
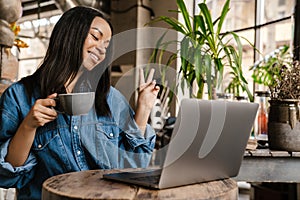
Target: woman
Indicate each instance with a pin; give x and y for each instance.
(36, 142)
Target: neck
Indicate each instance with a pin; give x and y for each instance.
(70, 85)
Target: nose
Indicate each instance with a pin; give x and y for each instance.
(101, 48)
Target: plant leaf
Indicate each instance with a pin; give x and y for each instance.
(185, 14)
(223, 16)
(174, 23)
(207, 17)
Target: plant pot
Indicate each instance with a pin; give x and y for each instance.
(284, 125)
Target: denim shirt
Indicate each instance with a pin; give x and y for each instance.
(70, 143)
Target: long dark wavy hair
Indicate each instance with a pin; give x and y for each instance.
(64, 58)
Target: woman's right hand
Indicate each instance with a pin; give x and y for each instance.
(41, 112)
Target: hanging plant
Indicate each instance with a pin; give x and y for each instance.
(18, 42)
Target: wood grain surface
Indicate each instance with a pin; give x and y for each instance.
(91, 185)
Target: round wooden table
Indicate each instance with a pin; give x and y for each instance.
(90, 185)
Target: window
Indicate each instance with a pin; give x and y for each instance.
(36, 34)
(266, 24)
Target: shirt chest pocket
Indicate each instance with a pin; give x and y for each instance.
(107, 131)
(49, 147)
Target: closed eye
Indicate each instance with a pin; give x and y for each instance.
(95, 38)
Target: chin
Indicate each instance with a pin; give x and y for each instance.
(89, 66)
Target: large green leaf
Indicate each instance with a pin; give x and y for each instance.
(175, 24)
(184, 50)
(207, 17)
(223, 16)
(239, 47)
(220, 70)
(198, 24)
(198, 64)
(208, 65)
(185, 14)
(157, 47)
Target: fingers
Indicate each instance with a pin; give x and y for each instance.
(42, 112)
(156, 89)
(142, 78)
(52, 96)
(47, 117)
(152, 87)
(46, 102)
(44, 106)
(150, 82)
(150, 76)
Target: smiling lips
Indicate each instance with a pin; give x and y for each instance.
(96, 57)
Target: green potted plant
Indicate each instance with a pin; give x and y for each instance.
(204, 51)
(268, 70)
(281, 74)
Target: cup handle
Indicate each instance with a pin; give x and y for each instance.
(56, 108)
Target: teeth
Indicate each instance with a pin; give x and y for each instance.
(95, 57)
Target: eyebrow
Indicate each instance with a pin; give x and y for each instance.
(95, 28)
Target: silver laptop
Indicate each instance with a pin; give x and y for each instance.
(208, 143)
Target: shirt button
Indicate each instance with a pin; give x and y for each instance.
(111, 134)
(39, 146)
(78, 152)
(75, 127)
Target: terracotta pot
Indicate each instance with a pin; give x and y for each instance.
(284, 125)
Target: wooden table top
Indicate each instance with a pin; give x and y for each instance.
(91, 185)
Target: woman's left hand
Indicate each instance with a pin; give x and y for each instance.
(148, 90)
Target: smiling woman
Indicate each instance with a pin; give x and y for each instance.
(37, 142)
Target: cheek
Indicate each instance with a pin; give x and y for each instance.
(85, 55)
(102, 57)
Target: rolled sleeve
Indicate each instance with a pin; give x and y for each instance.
(14, 176)
(124, 117)
(141, 148)
(136, 139)
(7, 168)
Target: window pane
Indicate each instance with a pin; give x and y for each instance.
(275, 35)
(36, 34)
(275, 9)
(241, 14)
